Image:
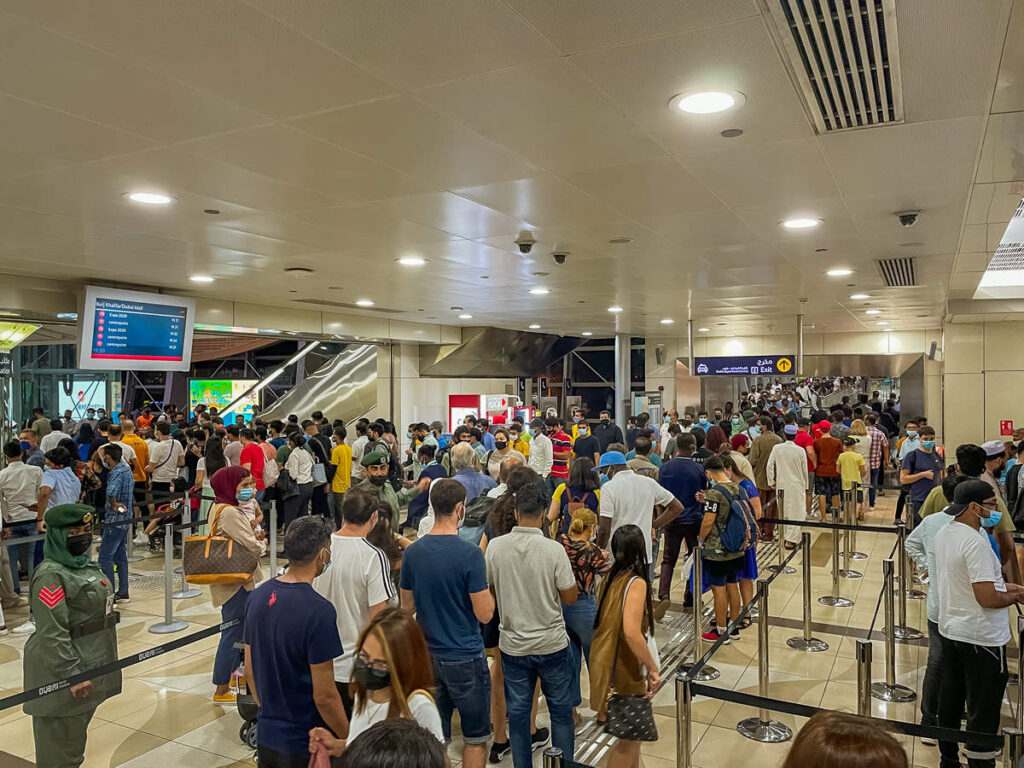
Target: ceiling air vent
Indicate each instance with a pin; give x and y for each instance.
(845, 56)
(1009, 254)
(898, 273)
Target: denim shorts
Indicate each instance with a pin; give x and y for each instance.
(464, 685)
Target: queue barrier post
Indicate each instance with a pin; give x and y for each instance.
(1013, 747)
(864, 652)
(806, 641)
(684, 713)
(272, 527)
(1020, 672)
(890, 690)
(902, 631)
(835, 600)
(908, 585)
(849, 509)
(553, 758)
(780, 568)
(854, 554)
(707, 672)
(185, 592)
(129, 546)
(169, 624)
(762, 728)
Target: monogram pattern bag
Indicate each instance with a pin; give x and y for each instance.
(630, 716)
(216, 559)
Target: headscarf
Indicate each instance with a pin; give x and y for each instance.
(715, 438)
(225, 484)
(58, 520)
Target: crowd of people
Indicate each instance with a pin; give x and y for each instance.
(524, 552)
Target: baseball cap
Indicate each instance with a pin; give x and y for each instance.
(967, 493)
(993, 448)
(537, 423)
(612, 458)
(848, 441)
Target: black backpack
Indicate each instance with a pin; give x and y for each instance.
(477, 511)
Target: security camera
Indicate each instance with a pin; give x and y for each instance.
(560, 257)
(908, 218)
(525, 241)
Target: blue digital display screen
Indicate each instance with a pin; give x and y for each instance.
(129, 330)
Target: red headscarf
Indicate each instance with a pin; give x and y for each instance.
(225, 484)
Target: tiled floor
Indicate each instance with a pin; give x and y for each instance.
(165, 715)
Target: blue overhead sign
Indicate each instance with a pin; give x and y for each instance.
(744, 366)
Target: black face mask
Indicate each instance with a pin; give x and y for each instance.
(378, 481)
(371, 679)
(79, 545)
(500, 445)
(605, 422)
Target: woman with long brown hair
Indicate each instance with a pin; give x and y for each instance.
(839, 740)
(391, 677)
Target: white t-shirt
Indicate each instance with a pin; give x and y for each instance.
(629, 498)
(964, 556)
(165, 455)
(423, 711)
(359, 576)
(50, 440)
(127, 452)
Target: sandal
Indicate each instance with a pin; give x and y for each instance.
(745, 623)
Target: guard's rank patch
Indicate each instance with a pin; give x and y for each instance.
(51, 597)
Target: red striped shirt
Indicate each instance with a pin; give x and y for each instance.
(561, 450)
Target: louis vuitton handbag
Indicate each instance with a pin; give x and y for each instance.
(216, 559)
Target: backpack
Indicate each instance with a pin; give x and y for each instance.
(740, 530)
(270, 472)
(472, 529)
(561, 525)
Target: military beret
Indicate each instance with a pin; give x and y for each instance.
(375, 458)
(69, 515)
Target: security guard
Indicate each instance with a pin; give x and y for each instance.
(73, 606)
(375, 483)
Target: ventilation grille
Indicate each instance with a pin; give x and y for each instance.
(845, 56)
(1009, 254)
(343, 305)
(899, 273)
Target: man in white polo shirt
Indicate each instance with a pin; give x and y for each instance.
(973, 621)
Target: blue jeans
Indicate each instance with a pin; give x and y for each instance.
(521, 674)
(20, 553)
(876, 483)
(112, 552)
(465, 685)
(227, 658)
(579, 623)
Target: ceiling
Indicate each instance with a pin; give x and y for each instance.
(341, 136)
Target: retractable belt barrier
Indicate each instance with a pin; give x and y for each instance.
(830, 526)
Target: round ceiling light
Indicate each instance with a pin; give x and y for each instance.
(800, 223)
(364, 303)
(615, 310)
(839, 272)
(667, 321)
(412, 261)
(859, 296)
(149, 198)
(201, 279)
(587, 333)
(706, 102)
(534, 327)
(872, 311)
(465, 316)
(540, 291)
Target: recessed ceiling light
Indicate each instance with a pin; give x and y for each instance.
(534, 327)
(887, 330)
(730, 335)
(620, 240)
(587, 333)
(839, 272)
(800, 223)
(455, 309)
(211, 211)
(201, 279)
(615, 310)
(667, 321)
(298, 271)
(412, 261)
(707, 102)
(859, 296)
(731, 133)
(364, 303)
(883, 322)
(540, 291)
(872, 311)
(149, 198)
(541, 274)
(704, 330)
(465, 316)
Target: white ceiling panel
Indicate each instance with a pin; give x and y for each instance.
(1009, 93)
(547, 112)
(542, 200)
(452, 213)
(1002, 153)
(419, 141)
(373, 223)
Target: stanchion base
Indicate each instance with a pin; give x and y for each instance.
(835, 601)
(858, 556)
(847, 574)
(906, 633)
(766, 731)
(915, 594)
(783, 570)
(811, 645)
(168, 627)
(705, 673)
(896, 693)
(186, 594)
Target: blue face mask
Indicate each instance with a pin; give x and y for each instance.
(703, 420)
(408, 435)
(735, 422)
(911, 433)
(928, 444)
(994, 516)
(245, 494)
(529, 431)
(25, 445)
(755, 431)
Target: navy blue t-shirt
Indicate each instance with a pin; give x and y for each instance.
(289, 627)
(418, 506)
(442, 572)
(920, 461)
(683, 477)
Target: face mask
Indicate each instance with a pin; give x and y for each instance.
(994, 516)
(582, 432)
(378, 481)
(687, 422)
(605, 422)
(735, 422)
(371, 679)
(408, 435)
(702, 420)
(755, 431)
(26, 445)
(576, 419)
(911, 433)
(927, 444)
(323, 570)
(79, 545)
(501, 445)
(245, 494)
(667, 419)
(529, 431)
(308, 438)
(462, 518)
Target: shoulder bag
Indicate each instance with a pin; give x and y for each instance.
(216, 559)
(630, 716)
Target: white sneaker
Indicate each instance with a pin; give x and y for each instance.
(4, 631)
(25, 629)
(141, 540)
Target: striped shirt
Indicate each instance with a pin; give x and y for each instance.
(561, 450)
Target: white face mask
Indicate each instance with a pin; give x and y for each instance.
(461, 517)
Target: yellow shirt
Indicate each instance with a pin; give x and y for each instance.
(850, 464)
(522, 446)
(341, 457)
(138, 445)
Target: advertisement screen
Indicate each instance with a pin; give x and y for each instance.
(130, 330)
(84, 394)
(220, 392)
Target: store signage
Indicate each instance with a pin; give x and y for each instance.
(6, 364)
(744, 366)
